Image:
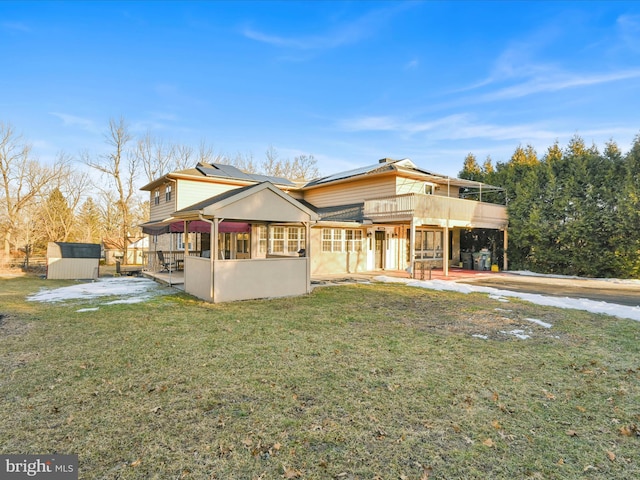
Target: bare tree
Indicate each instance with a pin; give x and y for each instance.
(303, 167)
(272, 165)
(245, 162)
(24, 181)
(120, 170)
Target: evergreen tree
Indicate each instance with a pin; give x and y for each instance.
(88, 222)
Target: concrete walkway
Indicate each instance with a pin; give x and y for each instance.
(610, 291)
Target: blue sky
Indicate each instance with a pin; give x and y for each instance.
(349, 82)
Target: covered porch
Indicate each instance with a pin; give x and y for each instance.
(258, 246)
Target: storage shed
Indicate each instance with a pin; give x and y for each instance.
(72, 261)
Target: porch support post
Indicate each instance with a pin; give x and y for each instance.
(185, 239)
(412, 248)
(445, 251)
(505, 265)
(307, 252)
(213, 249)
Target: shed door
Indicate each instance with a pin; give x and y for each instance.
(380, 248)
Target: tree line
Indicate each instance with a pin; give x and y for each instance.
(573, 211)
(95, 198)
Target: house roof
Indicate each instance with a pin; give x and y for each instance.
(226, 205)
(404, 166)
(339, 213)
(219, 171)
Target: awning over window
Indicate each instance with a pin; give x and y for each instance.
(196, 226)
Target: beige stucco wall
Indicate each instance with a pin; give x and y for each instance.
(335, 262)
(247, 279)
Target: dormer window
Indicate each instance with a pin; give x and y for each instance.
(167, 194)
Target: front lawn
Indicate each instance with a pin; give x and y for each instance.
(350, 382)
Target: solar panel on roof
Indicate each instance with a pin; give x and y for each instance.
(347, 174)
(229, 171)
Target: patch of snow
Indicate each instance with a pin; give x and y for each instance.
(477, 335)
(499, 298)
(592, 306)
(130, 300)
(517, 333)
(498, 309)
(127, 287)
(539, 322)
(88, 309)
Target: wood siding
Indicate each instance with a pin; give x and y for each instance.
(356, 191)
(164, 209)
(189, 192)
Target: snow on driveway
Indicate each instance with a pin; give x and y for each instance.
(592, 306)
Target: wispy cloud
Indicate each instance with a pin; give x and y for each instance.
(629, 30)
(343, 34)
(69, 120)
(412, 64)
(15, 27)
(557, 82)
(459, 128)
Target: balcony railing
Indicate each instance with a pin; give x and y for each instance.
(436, 210)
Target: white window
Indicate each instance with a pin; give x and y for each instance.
(156, 197)
(262, 239)
(332, 240)
(287, 240)
(167, 194)
(428, 244)
(295, 239)
(354, 240)
(180, 241)
(277, 239)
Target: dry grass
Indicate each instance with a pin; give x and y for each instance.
(351, 382)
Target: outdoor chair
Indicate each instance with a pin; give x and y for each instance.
(167, 265)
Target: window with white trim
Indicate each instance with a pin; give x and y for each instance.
(354, 240)
(286, 240)
(277, 239)
(332, 240)
(428, 244)
(295, 239)
(167, 194)
(262, 239)
(156, 197)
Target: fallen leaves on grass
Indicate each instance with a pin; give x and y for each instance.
(488, 443)
(291, 472)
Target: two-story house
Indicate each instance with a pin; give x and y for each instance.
(385, 216)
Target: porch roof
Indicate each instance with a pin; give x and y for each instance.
(262, 202)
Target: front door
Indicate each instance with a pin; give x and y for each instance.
(380, 249)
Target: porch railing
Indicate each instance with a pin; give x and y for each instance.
(436, 210)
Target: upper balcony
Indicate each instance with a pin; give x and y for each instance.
(436, 210)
